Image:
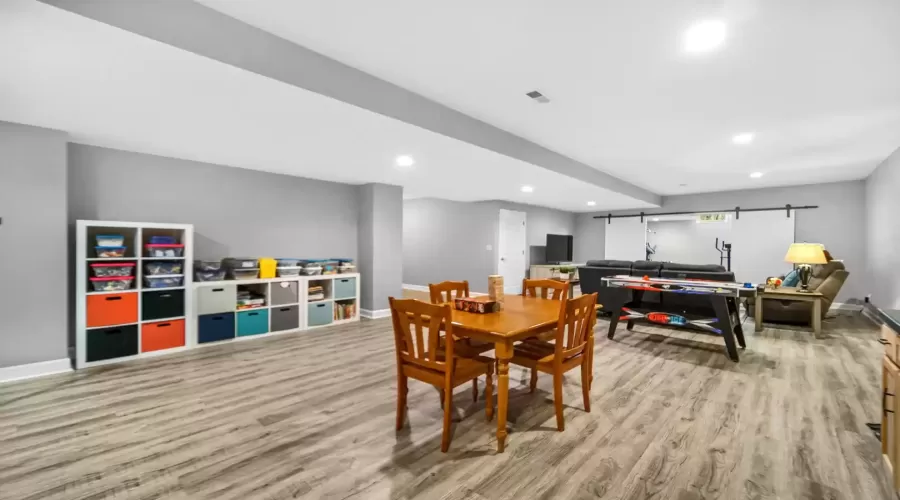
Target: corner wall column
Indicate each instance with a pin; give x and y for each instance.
(380, 245)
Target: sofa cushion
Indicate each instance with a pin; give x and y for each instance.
(609, 263)
(646, 268)
(705, 268)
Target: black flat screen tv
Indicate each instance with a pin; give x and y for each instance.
(559, 248)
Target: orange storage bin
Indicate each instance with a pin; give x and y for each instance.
(162, 335)
(112, 309)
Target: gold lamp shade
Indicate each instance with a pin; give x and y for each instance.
(805, 253)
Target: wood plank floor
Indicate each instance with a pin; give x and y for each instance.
(311, 415)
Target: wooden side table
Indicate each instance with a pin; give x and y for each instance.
(572, 282)
(791, 294)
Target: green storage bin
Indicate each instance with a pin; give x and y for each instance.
(253, 322)
(320, 313)
(110, 343)
(345, 288)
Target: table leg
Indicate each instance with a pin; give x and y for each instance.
(757, 313)
(720, 305)
(817, 317)
(503, 352)
(615, 308)
(734, 306)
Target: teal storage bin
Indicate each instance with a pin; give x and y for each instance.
(252, 322)
(320, 313)
(345, 288)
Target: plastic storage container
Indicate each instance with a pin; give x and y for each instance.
(163, 240)
(110, 240)
(110, 252)
(163, 281)
(111, 283)
(207, 265)
(244, 274)
(310, 270)
(103, 270)
(267, 267)
(164, 250)
(346, 268)
(163, 267)
(241, 263)
(285, 272)
(329, 267)
(209, 275)
(290, 263)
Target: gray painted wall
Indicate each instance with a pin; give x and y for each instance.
(34, 307)
(380, 241)
(448, 240)
(838, 223)
(883, 233)
(235, 212)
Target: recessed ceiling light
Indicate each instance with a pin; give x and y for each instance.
(655, 219)
(527, 189)
(704, 36)
(745, 138)
(592, 203)
(756, 175)
(405, 161)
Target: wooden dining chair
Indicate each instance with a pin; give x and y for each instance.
(545, 289)
(573, 347)
(417, 330)
(444, 292)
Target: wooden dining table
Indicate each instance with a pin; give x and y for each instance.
(520, 318)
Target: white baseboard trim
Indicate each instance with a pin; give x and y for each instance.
(422, 288)
(376, 314)
(33, 370)
(841, 306)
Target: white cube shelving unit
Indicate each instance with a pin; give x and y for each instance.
(120, 325)
(287, 307)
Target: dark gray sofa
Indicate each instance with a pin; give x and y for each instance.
(592, 274)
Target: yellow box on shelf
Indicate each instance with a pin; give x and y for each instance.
(267, 267)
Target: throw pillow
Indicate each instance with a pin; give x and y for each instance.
(792, 279)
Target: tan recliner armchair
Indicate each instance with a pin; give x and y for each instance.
(826, 279)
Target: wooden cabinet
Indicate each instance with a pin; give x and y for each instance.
(890, 419)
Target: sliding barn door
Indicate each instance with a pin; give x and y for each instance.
(626, 239)
(760, 241)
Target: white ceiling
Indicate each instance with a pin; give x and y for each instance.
(816, 81)
(112, 88)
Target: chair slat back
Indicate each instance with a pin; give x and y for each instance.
(576, 321)
(545, 289)
(444, 291)
(417, 333)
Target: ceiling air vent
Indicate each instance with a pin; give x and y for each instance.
(538, 97)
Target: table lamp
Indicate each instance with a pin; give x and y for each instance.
(804, 254)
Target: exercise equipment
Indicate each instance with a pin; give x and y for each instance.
(724, 254)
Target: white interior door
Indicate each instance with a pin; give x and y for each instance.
(626, 239)
(759, 242)
(511, 248)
